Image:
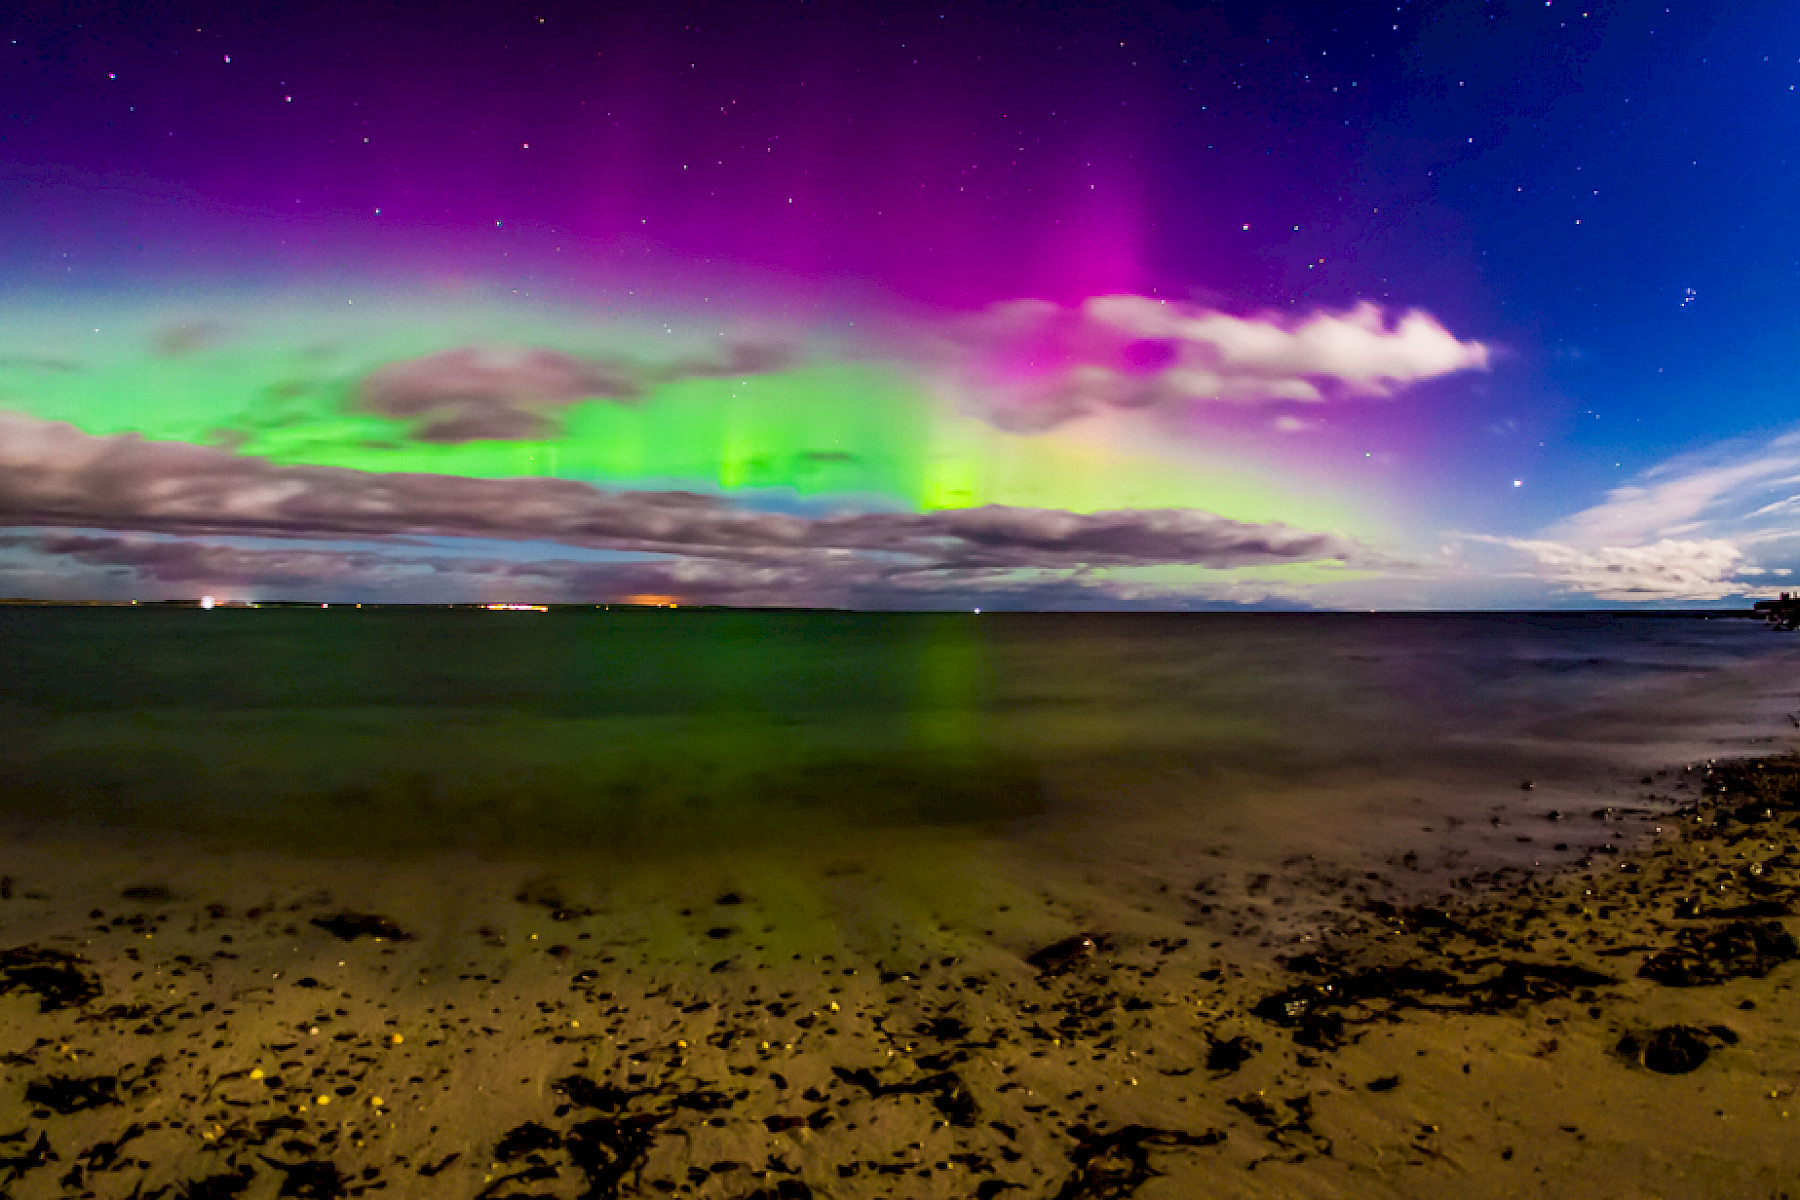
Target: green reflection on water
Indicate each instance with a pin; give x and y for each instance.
(395, 733)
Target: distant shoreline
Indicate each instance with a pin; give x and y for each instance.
(552, 606)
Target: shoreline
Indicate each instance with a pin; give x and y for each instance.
(258, 1037)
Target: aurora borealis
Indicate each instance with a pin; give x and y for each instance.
(1164, 306)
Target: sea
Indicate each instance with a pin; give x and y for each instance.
(1097, 761)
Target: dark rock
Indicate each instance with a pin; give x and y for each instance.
(216, 1187)
(65, 1094)
(703, 1100)
(1770, 782)
(1319, 1011)
(1670, 1050)
(586, 1093)
(547, 893)
(607, 1149)
(428, 1170)
(1109, 1166)
(1226, 1055)
(948, 1093)
(1691, 910)
(57, 978)
(1707, 956)
(1058, 957)
(1385, 1083)
(149, 893)
(1288, 1122)
(952, 1099)
(353, 925)
(943, 1029)
(1536, 982)
(786, 1189)
(316, 1179)
(39, 1155)
(529, 1138)
(501, 1186)
(1316, 1011)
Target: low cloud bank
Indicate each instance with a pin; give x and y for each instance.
(54, 475)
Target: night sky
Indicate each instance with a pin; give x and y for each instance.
(1158, 305)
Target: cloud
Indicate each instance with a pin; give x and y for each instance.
(1746, 494)
(150, 566)
(1699, 527)
(52, 474)
(512, 393)
(1669, 569)
(180, 561)
(504, 393)
(1028, 365)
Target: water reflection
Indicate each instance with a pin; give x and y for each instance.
(384, 732)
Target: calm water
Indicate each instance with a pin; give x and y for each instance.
(384, 732)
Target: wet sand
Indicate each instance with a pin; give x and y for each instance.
(932, 1021)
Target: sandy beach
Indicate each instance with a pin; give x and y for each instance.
(188, 1026)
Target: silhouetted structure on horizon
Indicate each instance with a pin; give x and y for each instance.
(1783, 613)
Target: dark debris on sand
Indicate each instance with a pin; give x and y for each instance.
(1739, 949)
(1321, 1011)
(56, 978)
(15, 1166)
(224, 1186)
(1701, 909)
(1225, 1055)
(1060, 957)
(1505, 951)
(313, 1179)
(66, 1094)
(1111, 1166)
(548, 894)
(944, 1088)
(353, 925)
(607, 1150)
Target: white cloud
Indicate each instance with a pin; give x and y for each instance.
(1701, 527)
(1669, 569)
(1028, 365)
(1719, 493)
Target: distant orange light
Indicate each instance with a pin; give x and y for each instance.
(517, 607)
(652, 600)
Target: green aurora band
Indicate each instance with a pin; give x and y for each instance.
(833, 431)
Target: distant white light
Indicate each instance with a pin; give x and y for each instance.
(1518, 483)
(978, 612)
(207, 602)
